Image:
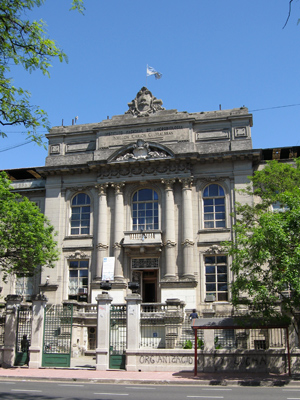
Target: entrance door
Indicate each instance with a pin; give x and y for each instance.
(150, 286)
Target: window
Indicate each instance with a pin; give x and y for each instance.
(216, 277)
(145, 210)
(214, 206)
(80, 217)
(24, 286)
(78, 280)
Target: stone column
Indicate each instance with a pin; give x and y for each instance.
(102, 229)
(133, 330)
(118, 230)
(187, 229)
(103, 331)
(170, 271)
(10, 334)
(37, 330)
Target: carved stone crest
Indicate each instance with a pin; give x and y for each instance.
(142, 151)
(144, 104)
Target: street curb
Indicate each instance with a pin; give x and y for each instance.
(196, 382)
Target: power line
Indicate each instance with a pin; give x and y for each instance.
(14, 147)
(272, 108)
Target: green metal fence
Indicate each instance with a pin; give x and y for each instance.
(117, 345)
(57, 336)
(23, 337)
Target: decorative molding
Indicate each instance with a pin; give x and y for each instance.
(128, 170)
(186, 182)
(78, 254)
(101, 246)
(214, 249)
(144, 104)
(118, 187)
(117, 245)
(102, 188)
(142, 151)
(169, 243)
(169, 183)
(188, 243)
(55, 149)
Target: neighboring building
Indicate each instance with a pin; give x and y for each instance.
(154, 189)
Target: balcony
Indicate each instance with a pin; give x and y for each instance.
(138, 239)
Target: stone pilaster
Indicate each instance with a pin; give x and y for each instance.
(103, 331)
(101, 229)
(118, 230)
(10, 336)
(187, 229)
(38, 314)
(133, 330)
(170, 256)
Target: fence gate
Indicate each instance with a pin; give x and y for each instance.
(57, 336)
(117, 343)
(23, 337)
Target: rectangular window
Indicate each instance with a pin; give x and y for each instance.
(216, 279)
(25, 286)
(78, 280)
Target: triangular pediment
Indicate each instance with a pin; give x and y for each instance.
(140, 151)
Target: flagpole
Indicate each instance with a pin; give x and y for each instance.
(146, 75)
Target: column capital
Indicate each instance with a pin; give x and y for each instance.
(169, 183)
(102, 188)
(118, 187)
(186, 182)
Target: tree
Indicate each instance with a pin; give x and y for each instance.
(26, 236)
(24, 43)
(266, 250)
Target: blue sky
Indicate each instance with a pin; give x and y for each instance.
(210, 52)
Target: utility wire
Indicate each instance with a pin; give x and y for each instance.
(14, 147)
(272, 108)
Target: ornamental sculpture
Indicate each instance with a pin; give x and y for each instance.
(144, 104)
(142, 151)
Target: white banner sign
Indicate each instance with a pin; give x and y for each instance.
(108, 269)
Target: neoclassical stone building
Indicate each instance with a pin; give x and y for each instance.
(146, 197)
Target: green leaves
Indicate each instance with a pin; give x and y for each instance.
(24, 43)
(266, 250)
(26, 236)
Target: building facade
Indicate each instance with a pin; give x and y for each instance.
(151, 193)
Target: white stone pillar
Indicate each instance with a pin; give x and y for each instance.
(103, 331)
(187, 229)
(133, 330)
(118, 230)
(10, 334)
(102, 245)
(37, 331)
(170, 256)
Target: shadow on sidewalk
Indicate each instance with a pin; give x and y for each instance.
(241, 378)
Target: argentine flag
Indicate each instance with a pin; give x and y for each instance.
(152, 71)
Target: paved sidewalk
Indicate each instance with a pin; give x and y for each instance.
(121, 376)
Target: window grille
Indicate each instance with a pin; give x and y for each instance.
(144, 263)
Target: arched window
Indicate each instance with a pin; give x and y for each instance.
(80, 217)
(145, 210)
(214, 206)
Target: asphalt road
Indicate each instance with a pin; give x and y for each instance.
(21, 390)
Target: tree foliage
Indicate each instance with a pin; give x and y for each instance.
(266, 250)
(24, 43)
(26, 236)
